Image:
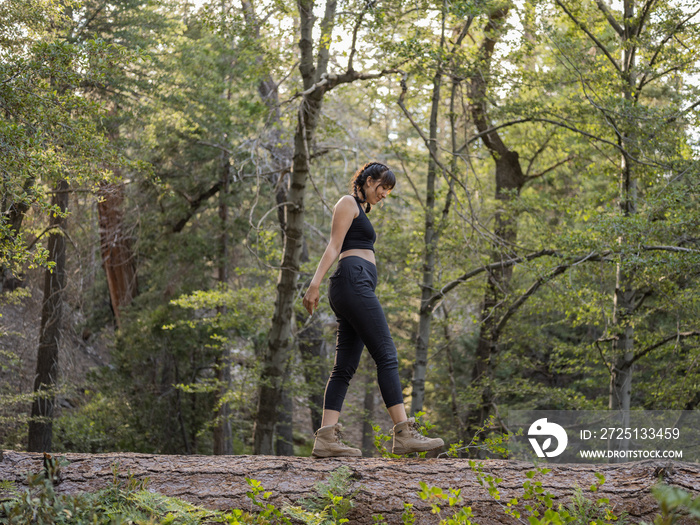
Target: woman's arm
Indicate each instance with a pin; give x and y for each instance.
(343, 215)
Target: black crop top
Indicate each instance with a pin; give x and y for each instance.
(361, 235)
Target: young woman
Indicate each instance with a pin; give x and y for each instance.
(361, 320)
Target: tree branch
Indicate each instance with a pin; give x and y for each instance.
(536, 285)
(644, 17)
(331, 80)
(353, 48)
(591, 36)
(324, 43)
(538, 153)
(491, 129)
(648, 349)
(643, 80)
(195, 204)
(478, 85)
(677, 249)
(430, 303)
(611, 19)
(553, 167)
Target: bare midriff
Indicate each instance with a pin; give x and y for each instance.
(367, 255)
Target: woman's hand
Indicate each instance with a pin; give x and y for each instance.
(311, 299)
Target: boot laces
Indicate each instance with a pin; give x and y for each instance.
(413, 430)
(339, 435)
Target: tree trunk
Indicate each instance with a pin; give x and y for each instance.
(284, 442)
(509, 181)
(223, 439)
(41, 423)
(279, 338)
(625, 297)
(430, 245)
(381, 486)
(431, 234)
(314, 354)
(115, 245)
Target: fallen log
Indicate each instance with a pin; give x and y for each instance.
(218, 482)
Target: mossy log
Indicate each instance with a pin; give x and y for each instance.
(218, 482)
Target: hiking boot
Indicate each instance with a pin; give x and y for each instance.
(408, 439)
(328, 443)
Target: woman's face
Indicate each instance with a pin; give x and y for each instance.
(375, 192)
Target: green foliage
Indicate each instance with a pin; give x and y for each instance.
(383, 443)
(585, 511)
(436, 497)
(49, 130)
(99, 424)
(267, 512)
(335, 493)
(332, 501)
(538, 503)
(675, 503)
(487, 440)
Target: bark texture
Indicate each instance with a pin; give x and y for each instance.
(218, 482)
(115, 245)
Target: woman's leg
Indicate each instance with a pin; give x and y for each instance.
(398, 413)
(347, 357)
(366, 316)
(348, 351)
(330, 417)
(364, 313)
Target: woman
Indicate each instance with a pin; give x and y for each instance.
(361, 320)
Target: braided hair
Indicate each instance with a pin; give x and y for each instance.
(374, 171)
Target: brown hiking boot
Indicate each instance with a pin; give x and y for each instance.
(408, 439)
(328, 443)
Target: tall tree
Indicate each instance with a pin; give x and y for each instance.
(128, 24)
(47, 371)
(431, 234)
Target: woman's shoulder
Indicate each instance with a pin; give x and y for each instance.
(347, 204)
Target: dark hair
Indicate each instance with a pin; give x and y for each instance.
(374, 171)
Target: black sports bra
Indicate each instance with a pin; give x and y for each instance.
(361, 235)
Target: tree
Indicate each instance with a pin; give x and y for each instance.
(446, 58)
(47, 371)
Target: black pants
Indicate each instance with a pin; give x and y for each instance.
(361, 322)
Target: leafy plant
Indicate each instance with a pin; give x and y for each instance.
(586, 511)
(268, 512)
(332, 502)
(381, 440)
(436, 497)
(674, 503)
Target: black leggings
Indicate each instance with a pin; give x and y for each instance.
(361, 323)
